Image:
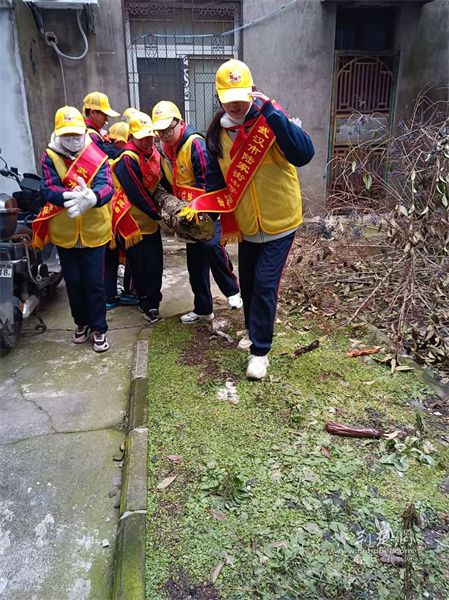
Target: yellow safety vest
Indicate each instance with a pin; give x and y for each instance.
(185, 175)
(93, 228)
(272, 201)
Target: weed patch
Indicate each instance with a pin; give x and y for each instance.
(265, 504)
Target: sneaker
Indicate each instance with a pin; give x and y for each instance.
(101, 343)
(152, 315)
(257, 367)
(235, 301)
(245, 342)
(193, 317)
(81, 334)
(129, 299)
(112, 302)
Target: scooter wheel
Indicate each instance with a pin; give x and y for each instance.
(10, 332)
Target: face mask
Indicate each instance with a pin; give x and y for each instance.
(73, 144)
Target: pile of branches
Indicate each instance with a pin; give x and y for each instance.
(387, 261)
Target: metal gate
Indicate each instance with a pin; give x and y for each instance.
(176, 52)
(362, 107)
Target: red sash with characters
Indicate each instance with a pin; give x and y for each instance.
(86, 165)
(246, 159)
(187, 193)
(123, 223)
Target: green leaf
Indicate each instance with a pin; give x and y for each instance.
(387, 459)
(401, 463)
(311, 528)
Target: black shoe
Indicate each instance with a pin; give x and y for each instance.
(151, 314)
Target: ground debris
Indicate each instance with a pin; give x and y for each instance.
(228, 393)
(392, 556)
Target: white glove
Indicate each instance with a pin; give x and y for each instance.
(87, 198)
(79, 200)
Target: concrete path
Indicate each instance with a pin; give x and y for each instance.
(62, 409)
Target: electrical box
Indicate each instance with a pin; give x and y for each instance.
(75, 4)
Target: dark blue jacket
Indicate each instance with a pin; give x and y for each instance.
(108, 148)
(127, 170)
(52, 188)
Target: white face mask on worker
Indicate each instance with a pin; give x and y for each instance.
(73, 144)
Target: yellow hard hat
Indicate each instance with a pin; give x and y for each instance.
(128, 113)
(163, 114)
(234, 82)
(99, 101)
(140, 125)
(68, 119)
(119, 132)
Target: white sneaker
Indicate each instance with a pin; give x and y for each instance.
(245, 342)
(235, 301)
(257, 367)
(193, 317)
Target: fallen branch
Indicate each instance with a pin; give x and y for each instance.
(364, 352)
(349, 431)
(304, 349)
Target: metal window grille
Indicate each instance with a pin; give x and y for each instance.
(174, 50)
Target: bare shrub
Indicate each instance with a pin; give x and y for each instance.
(389, 263)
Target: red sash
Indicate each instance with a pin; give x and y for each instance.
(244, 164)
(123, 223)
(187, 193)
(86, 165)
(149, 167)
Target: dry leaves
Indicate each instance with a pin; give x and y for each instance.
(165, 482)
(216, 572)
(216, 514)
(325, 452)
(174, 458)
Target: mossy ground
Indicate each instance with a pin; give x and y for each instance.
(301, 514)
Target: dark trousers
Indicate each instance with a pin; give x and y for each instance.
(260, 270)
(146, 263)
(110, 274)
(204, 258)
(110, 277)
(83, 270)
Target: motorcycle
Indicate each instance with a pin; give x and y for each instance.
(26, 274)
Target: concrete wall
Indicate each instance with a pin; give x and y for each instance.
(431, 53)
(291, 57)
(15, 136)
(423, 44)
(102, 69)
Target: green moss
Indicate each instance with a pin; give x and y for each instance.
(303, 523)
